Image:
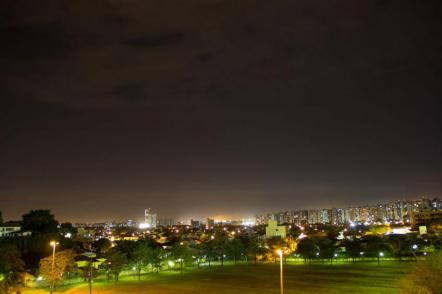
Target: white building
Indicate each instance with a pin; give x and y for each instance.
(150, 220)
(9, 230)
(273, 230)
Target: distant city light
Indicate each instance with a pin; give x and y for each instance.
(401, 231)
(250, 222)
(144, 226)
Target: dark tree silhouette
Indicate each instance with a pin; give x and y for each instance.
(40, 222)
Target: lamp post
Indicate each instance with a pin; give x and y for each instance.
(90, 255)
(413, 251)
(381, 254)
(281, 280)
(53, 244)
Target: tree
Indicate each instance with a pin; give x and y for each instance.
(353, 248)
(427, 277)
(235, 248)
(154, 256)
(102, 245)
(401, 245)
(180, 252)
(139, 257)
(197, 251)
(377, 247)
(220, 246)
(254, 246)
(276, 243)
(128, 247)
(307, 248)
(326, 248)
(53, 273)
(208, 249)
(40, 222)
(116, 261)
(66, 229)
(294, 232)
(332, 232)
(11, 265)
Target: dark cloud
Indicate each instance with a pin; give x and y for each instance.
(300, 101)
(33, 42)
(130, 92)
(204, 57)
(152, 41)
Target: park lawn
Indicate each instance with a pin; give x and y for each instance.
(262, 278)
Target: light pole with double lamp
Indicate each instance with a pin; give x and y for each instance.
(281, 280)
(53, 244)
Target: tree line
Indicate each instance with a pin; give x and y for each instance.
(150, 255)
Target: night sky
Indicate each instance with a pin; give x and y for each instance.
(217, 107)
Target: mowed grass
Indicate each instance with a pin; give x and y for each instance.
(261, 278)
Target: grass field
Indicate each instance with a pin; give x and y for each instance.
(263, 278)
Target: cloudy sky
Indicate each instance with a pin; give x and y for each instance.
(217, 107)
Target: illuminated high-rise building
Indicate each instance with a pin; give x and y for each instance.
(150, 220)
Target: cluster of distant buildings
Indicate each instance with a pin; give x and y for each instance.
(400, 212)
(412, 213)
(401, 217)
(396, 212)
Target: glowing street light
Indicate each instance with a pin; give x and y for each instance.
(281, 281)
(53, 244)
(381, 254)
(90, 255)
(413, 251)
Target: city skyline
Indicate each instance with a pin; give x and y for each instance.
(143, 218)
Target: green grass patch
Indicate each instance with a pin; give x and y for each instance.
(261, 278)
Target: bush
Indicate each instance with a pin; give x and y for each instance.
(426, 278)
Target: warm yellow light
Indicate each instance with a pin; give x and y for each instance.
(279, 252)
(53, 243)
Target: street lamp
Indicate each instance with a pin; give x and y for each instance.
(381, 254)
(413, 251)
(90, 255)
(279, 252)
(53, 244)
